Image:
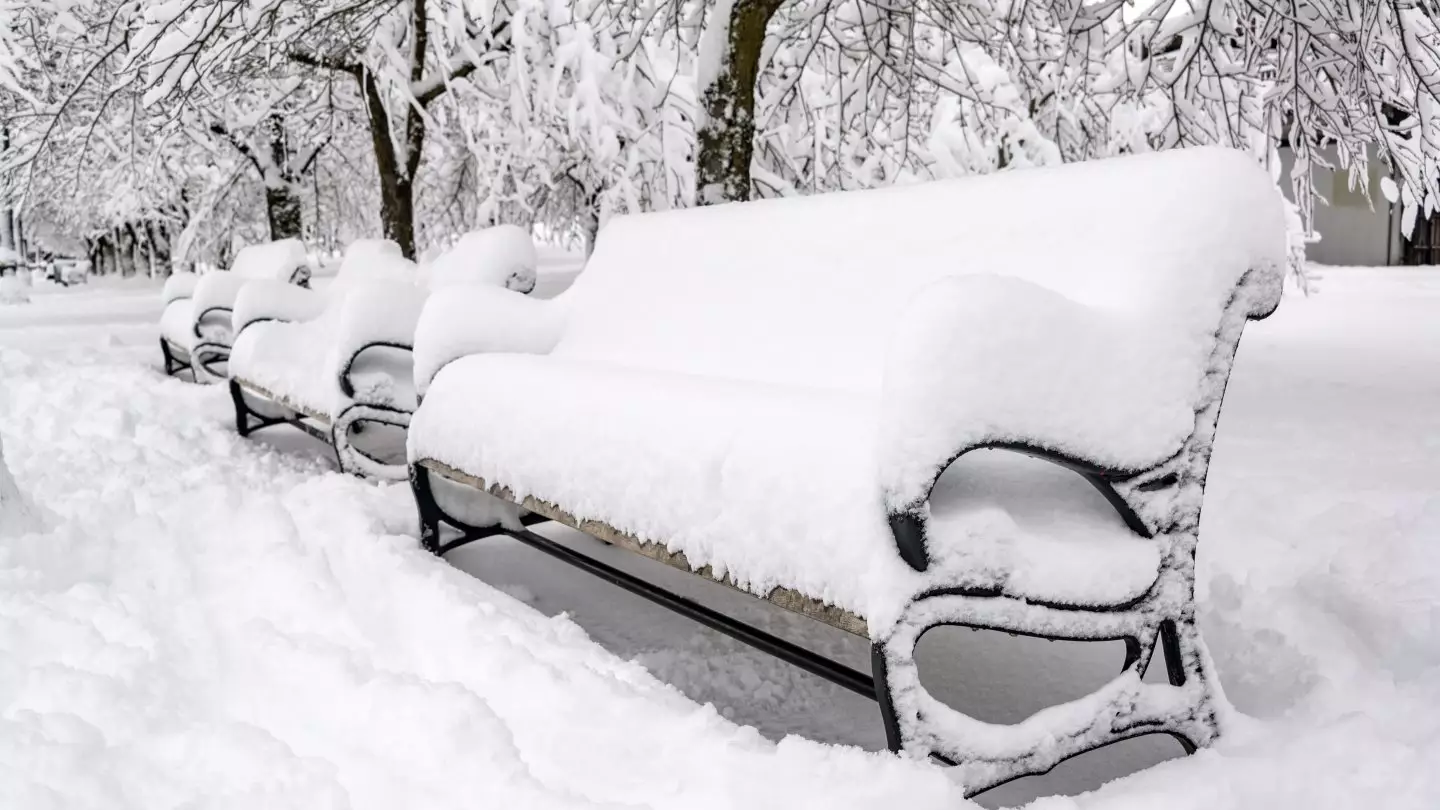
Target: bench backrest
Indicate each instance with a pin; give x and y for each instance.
(807, 290)
(275, 261)
(368, 261)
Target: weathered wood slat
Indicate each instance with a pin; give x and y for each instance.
(786, 598)
(261, 391)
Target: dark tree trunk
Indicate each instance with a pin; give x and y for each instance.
(125, 250)
(7, 220)
(282, 202)
(397, 192)
(398, 214)
(159, 242)
(726, 141)
(283, 206)
(110, 253)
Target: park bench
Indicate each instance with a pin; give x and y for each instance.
(871, 408)
(195, 325)
(335, 362)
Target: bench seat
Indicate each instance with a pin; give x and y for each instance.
(771, 485)
(292, 358)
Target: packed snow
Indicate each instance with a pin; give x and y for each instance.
(204, 621)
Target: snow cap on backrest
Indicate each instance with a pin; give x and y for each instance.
(503, 256)
(373, 260)
(278, 261)
(808, 290)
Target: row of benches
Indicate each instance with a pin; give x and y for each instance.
(869, 408)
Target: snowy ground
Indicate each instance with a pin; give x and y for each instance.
(208, 622)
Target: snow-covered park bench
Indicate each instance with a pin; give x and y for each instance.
(336, 361)
(874, 409)
(195, 326)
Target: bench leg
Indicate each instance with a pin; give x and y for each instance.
(428, 509)
(174, 366)
(242, 410)
(988, 755)
(879, 669)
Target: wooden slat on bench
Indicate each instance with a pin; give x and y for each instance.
(786, 598)
(260, 390)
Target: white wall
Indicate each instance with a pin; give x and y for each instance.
(1352, 233)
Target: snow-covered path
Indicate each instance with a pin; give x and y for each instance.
(211, 622)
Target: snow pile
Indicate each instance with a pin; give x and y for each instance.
(15, 288)
(17, 514)
(895, 328)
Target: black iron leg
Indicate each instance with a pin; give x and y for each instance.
(173, 365)
(1170, 644)
(880, 671)
(242, 411)
(427, 508)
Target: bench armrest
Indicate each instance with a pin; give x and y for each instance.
(985, 360)
(217, 292)
(177, 287)
(466, 319)
(267, 300)
(375, 315)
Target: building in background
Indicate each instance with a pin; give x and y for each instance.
(1353, 232)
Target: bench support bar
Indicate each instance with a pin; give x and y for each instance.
(177, 360)
(433, 518)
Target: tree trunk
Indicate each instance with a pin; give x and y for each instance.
(110, 253)
(282, 205)
(397, 200)
(397, 213)
(7, 221)
(137, 249)
(726, 139)
(159, 240)
(124, 252)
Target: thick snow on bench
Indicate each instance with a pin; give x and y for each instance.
(271, 260)
(294, 355)
(376, 297)
(757, 385)
(503, 256)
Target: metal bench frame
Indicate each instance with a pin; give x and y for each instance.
(335, 431)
